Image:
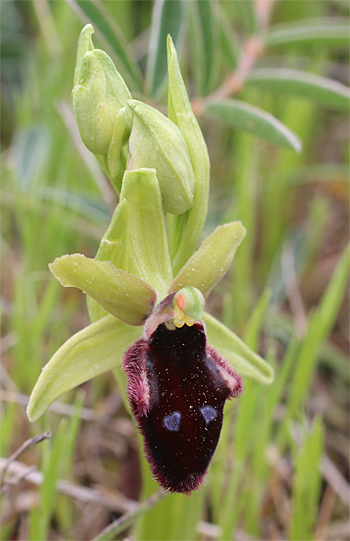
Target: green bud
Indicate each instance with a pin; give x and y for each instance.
(157, 143)
(99, 94)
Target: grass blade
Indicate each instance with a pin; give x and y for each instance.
(168, 17)
(253, 327)
(320, 326)
(51, 472)
(246, 117)
(307, 484)
(307, 85)
(95, 12)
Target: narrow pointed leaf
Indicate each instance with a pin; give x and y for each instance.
(168, 17)
(124, 295)
(290, 34)
(212, 260)
(147, 245)
(320, 326)
(252, 329)
(307, 482)
(298, 83)
(230, 43)
(206, 44)
(235, 351)
(180, 112)
(96, 13)
(247, 13)
(243, 116)
(89, 353)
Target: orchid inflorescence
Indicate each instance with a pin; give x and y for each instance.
(147, 285)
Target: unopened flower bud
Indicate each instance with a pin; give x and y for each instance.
(99, 94)
(156, 142)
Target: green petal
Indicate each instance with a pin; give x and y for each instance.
(212, 260)
(230, 346)
(124, 295)
(147, 246)
(92, 351)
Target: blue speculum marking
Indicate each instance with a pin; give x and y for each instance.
(172, 422)
(209, 413)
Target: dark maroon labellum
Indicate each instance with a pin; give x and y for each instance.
(177, 387)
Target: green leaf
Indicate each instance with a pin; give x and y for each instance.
(230, 44)
(205, 44)
(245, 9)
(307, 482)
(147, 246)
(212, 260)
(243, 116)
(252, 330)
(122, 294)
(307, 85)
(320, 326)
(236, 352)
(51, 472)
(168, 17)
(89, 353)
(96, 13)
(180, 112)
(327, 33)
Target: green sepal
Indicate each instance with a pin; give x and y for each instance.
(180, 112)
(212, 260)
(113, 245)
(247, 363)
(146, 244)
(122, 294)
(84, 46)
(115, 149)
(112, 248)
(89, 353)
(156, 142)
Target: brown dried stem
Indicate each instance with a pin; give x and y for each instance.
(29, 443)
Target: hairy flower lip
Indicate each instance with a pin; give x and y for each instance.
(177, 385)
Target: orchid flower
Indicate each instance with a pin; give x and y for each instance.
(146, 287)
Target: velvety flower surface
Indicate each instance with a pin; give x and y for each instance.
(177, 388)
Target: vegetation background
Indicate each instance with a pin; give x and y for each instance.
(281, 470)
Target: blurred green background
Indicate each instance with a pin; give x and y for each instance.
(281, 469)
